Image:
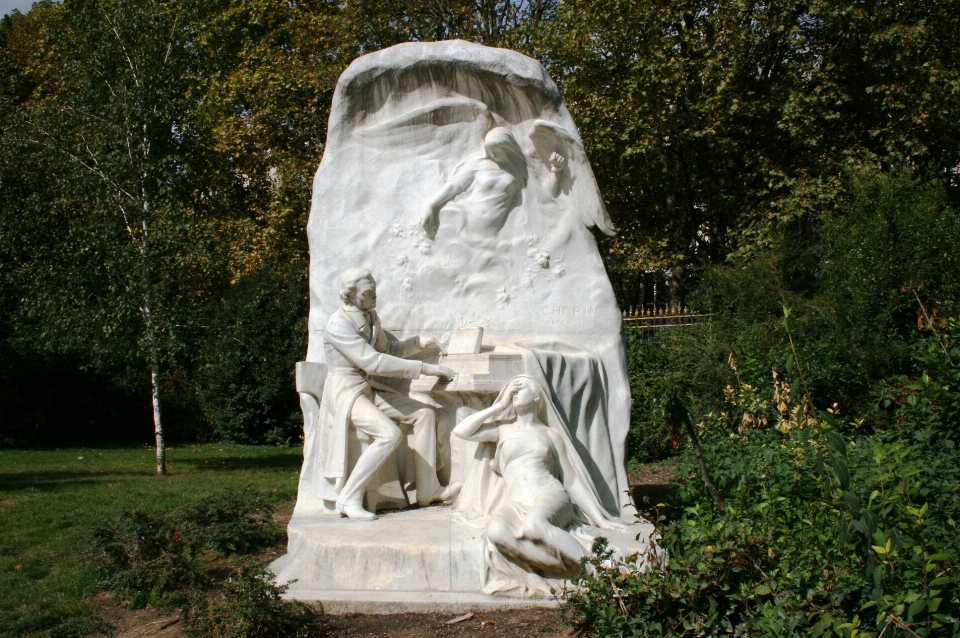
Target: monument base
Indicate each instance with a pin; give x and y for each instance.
(417, 560)
(339, 602)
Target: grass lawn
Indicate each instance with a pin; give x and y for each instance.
(48, 499)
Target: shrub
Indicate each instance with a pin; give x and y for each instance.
(230, 521)
(818, 534)
(249, 605)
(259, 333)
(144, 557)
(853, 283)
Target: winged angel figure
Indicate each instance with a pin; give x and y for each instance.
(488, 184)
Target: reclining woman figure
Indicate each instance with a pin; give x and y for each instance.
(544, 491)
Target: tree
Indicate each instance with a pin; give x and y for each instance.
(710, 125)
(121, 254)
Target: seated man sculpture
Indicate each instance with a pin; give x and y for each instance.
(357, 348)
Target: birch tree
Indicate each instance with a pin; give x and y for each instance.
(122, 253)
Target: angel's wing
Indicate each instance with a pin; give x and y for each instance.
(432, 130)
(577, 178)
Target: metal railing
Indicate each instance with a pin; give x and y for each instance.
(651, 318)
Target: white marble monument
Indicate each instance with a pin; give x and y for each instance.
(464, 392)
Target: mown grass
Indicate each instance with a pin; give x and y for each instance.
(49, 498)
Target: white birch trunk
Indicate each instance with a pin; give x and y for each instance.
(155, 388)
(157, 423)
(152, 338)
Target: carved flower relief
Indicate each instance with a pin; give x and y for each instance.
(540, 257)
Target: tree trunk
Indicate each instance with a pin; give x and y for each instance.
(155, 387)
(157, 423)
(676, 285)
(707, 483)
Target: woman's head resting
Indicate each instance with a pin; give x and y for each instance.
(527, 394)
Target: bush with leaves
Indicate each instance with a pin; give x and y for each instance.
(853, 284)
(246, 384)
(144, 559)
(150, 558)
(249, 605)
(817, 533)
(230, 521)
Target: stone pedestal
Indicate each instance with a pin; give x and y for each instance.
(417, 560)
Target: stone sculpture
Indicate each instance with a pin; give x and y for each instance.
(357, 347)
(455, 174)
(546, 490)
(484, 188)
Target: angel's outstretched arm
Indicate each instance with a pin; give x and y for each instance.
(460, 181)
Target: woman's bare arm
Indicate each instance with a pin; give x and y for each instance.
(471, 428)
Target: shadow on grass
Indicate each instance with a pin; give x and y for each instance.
(646, 497)
(54, 479)
(291, 462)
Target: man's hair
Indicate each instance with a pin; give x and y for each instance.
(349, 281)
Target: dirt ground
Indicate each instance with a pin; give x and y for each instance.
(522, 623)
(519, 623)
(650, 486)
(134, 623)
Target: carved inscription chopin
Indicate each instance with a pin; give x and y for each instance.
(570, 316)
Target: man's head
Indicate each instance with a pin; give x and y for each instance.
(358, 288)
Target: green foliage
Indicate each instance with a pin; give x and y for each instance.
(817, 536)
(143, 559)
(229, 521)
(829, 524)
(652, 372)
(81, 628)
(152, 558)
(853, 287)
(146, 558)
(712, 125)
(247, 389)
(249, 606)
